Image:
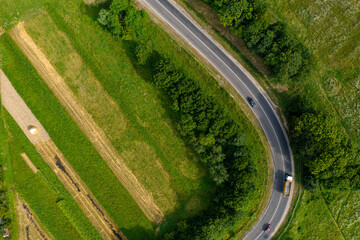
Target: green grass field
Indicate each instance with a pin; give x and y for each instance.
(33, 188)
(64, 200)
(141, 126)
(145, 139)
(331, 31)
(107, 189)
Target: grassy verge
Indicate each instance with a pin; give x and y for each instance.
(65, 133)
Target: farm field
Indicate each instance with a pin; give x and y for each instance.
(331, 30)
(111, 195)
(87, 124)
(38, 194)
(54, 158)
(100, 71)
(29, 226)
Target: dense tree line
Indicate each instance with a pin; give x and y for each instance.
(221, 146)
(286, 56)
(326, 151)
(123, 20)
(217, 139)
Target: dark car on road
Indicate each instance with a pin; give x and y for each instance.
(251, 101)
(267, 230)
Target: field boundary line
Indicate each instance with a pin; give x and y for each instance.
(332, 217)
(23, 116)
(29, 163)
(86, 123)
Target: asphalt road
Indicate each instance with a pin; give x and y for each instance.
(266, 115)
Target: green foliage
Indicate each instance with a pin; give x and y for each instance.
(103, 17)
(123, 20)
(221, 145)
(324, 148)
(287, 58)
(142, 53)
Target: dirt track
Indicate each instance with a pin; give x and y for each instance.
(84, 120)
(77, 188)
(54, 158)
(18, 109)
(29, 227)
(29, 163)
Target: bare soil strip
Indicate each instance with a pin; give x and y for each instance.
(29, 227)
(84, 120)
(54, 158)
(29, 163)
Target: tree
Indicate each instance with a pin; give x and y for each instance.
(234, 12)
(324, 148)
(142, 53)
(103, 17)
(117, 6)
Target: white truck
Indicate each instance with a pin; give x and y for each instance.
(287, 185)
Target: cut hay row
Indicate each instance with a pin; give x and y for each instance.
(54, 158)
(29, 227)
(29, 163)
(86, 123)
(77, 188)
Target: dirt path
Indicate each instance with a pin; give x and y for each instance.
(84, 120)
(29, 163)
(54, 158)
(29, 227)
(18, 109)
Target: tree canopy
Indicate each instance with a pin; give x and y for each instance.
(324, 148)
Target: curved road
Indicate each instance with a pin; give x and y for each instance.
(283, 163)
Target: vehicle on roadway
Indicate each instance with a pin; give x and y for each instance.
(251, 101)
(267, 230)
(287, 185)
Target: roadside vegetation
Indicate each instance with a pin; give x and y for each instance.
(146, 129)
(321, 106)
(218, 140)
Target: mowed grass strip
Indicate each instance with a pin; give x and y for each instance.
(73, 144)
